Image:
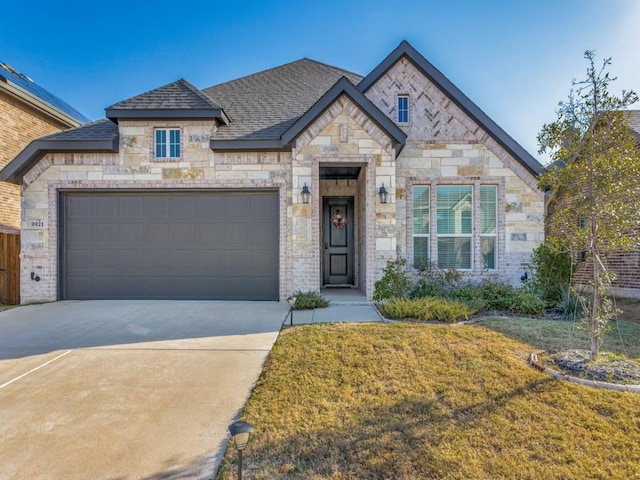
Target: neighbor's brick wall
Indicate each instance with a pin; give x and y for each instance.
(625, 265)
(19, 124)
(135, 168)
(445, 146)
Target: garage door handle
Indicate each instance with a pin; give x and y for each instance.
(326, 245)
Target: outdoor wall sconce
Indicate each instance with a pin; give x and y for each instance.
(306, 194)
(240, 432)
(384, 195)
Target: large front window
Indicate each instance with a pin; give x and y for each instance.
(461, 226)
(455, 226)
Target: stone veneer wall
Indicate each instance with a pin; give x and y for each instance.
(520, 208)
(135, 168)
(19, 124)
(343, 135)
(445, 146)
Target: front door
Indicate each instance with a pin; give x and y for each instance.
(337, 244)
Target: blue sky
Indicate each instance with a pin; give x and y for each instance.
(515, 59)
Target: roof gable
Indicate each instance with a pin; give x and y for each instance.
(179, 99)
(405, 50)
(344, 86)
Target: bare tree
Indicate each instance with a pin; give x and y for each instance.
(594, 183)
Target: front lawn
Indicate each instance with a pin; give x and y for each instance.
(411, 401)
(623, 337)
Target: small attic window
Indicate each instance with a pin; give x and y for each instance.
(167, 143)
(403, 109)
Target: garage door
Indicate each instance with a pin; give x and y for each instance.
(170, 245)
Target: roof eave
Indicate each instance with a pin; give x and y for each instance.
(15, 170)
(261, 145)
(44, 107)
(168, 113)
(457, 96)
(344, 86)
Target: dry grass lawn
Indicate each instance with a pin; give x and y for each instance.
(411, 401)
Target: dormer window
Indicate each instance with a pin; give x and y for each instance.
(403, 109)
(167, 143)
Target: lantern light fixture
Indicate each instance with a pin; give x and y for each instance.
(306, 194)
(384, 195)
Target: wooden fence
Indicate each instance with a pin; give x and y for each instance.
(9, 268)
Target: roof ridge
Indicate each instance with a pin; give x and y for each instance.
(281, 66)
(197, 91)
(333, 66)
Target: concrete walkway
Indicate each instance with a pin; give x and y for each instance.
(128, 389)
(336, 314)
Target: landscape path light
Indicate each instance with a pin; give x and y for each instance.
(292, 303)
(240, 432)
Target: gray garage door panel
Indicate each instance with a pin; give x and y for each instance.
(170, 245)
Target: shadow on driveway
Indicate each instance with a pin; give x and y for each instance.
(73, 324)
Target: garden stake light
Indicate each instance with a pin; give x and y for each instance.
(292, 301)
(240, 432)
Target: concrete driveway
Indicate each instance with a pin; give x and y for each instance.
(126, 389)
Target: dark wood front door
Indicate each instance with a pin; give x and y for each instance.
(338, 227)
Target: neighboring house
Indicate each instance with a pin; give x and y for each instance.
(270, 183)
(27, 111)
(625, 265)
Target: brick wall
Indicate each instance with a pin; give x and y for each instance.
(19, 124)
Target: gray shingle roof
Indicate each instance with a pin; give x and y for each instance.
(99, 130)
(99, 136)
(264, 105)
(9, 75)
(175, 96)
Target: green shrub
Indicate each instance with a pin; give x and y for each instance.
(309, 300)
(435, 281)
(551, 269)
(471, 296)
(573, 304)
(395, 281)
(528, 303)
(499, 296)
(427, 308)
(428, 287)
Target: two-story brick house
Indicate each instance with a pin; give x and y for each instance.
(27, 111)
(275, 182)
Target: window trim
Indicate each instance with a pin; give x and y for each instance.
(402, 96)
(168, 144)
